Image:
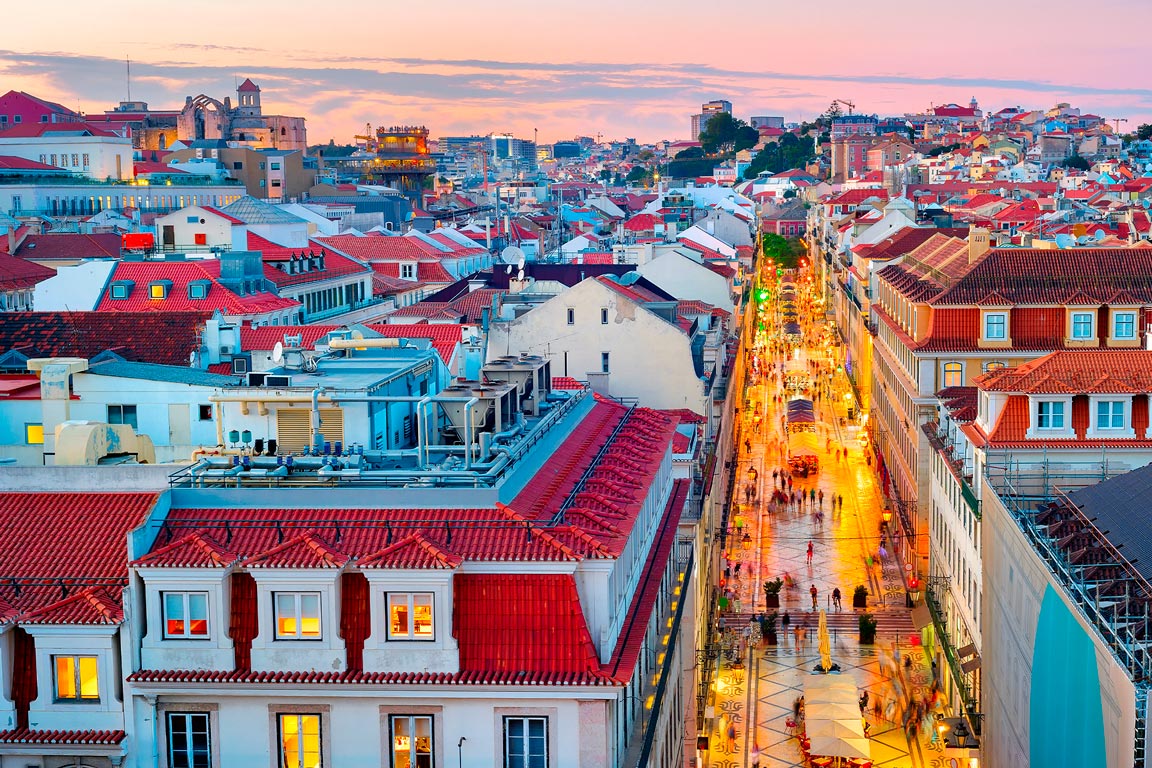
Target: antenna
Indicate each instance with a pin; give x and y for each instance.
(128, 71)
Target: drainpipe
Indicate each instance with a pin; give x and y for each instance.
(315, 430)
(469, 431)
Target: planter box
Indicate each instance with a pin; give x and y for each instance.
(772, 600)
(867, 638)
(860, 601)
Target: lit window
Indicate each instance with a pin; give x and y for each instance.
(994, 365)
(156, 290)
(412, 741)
(1110, 414)
(996, 326)
(1124, 325)
(410, 616)
(953, 375)
(299, 741)
(525, 742)
(1051, 414)
(1081, 325)
(188, 740)
(186, 614)
(571, 316)
(298, 615)
(34, 434)
(76, 678)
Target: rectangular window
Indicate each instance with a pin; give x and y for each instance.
(193, 219)
(275, 182)
(408, 271)
(297, 615)
(410, 616)
(122, 414)
(200, 238)
(571, 316)
(237, 166)
(76, 678)
(995, 326)
(188, 740)
(411, 741)
(603, 316)
(1082, 325)
(525, 742)
(75, 160)
(604, 360)
(1110, 414)
(185, 614)
(85, 159)
(299, 741)
(1124, 325)
(34, 434)
(156, 291)
(1051, 414)
(205, 412)
(275, 166)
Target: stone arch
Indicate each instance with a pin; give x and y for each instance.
(203, 117)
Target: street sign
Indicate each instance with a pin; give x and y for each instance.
(908, 567)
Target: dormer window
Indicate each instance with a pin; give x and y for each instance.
(996, 326)
(1124, 325)
(408, 271)
(1110, 414)
(77, 678)
(1050, 414)
(121, 289)
(159, 289)
(198, 289)
(297, 615)
(1082, 325)
(410, 616)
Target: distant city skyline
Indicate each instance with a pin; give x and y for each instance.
(610, 69)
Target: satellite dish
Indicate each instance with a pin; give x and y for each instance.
(1064, 241)
(520, 274)
(278, 353)
(512, 255)
(1101, 234)
(1083, 240)
(508, 270)
(1146, 203)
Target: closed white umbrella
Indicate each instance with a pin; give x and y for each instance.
(832, 746)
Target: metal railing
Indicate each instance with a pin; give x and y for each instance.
(951, 657)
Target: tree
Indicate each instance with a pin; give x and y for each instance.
(1144, 132)
(1076, 161)
(746, 138)
(785, 252)
(689, 154)
(724, 132)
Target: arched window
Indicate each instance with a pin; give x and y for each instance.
(994, 365)
(953, 375)
(283, 131)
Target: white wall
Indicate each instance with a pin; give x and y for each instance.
(650, 359)
(108, 156)
(685, 278)
(188, 222)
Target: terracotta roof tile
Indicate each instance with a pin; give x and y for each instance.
(304, 551)
(68, 245)
(20, 274)
(148, 337)
(413, 551)
(196, 550)
(180, 274)
(1080, 372)
(29, 736)
(91, 605)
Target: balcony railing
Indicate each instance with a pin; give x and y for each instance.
(932, 592)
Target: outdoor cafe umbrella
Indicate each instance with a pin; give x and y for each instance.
(850, 727)
(832, 746)
(824, 642)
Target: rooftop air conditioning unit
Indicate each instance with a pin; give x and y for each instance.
(277, 381)
(256, 379)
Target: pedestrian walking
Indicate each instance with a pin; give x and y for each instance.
(821, 497)
(731, 736)
(815, 593)
(883, 553)
(836, 597)
(810, 554)
(812, 495)
(785, 620)
(840, 498)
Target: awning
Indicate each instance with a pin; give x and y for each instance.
(921, 617)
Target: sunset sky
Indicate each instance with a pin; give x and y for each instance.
(621, 68)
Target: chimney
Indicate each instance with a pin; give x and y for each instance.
(979, 243)
(12, 240)
(55, 393)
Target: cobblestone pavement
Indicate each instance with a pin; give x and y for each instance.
(842, 543)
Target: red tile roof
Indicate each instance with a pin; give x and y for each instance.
(445, 337)
(29, 736)
(36, 130)
(11, 163)
(336, 264)
(467, 308)
(516, 678)
(412, 551)
(148, 337)
(67, 245)
(1077, 372)
(18, 274)
(856, 196)
(196, 550)
(634, 292)
(566, 383)
(304, 551)
(181, 273)
(77, 539)
(513, 623)
(91, 605)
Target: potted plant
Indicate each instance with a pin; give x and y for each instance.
(867, 624)
(860, 596)
(768, 628)
(772, 592)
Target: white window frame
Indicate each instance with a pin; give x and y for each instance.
(1110, 406)
(1091, 334)
(1116, 315)
(410, 599)
(507, 739)
(1040, 415)
(957, 368)
(985, 326)
(190, 756)
(410, 753)
(407, 271)
(298, 604)
(287, 761)
(186, 603)
(79, 698)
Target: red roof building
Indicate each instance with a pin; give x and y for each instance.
(167, 338)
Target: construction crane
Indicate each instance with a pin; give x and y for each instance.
(369, 137)
(1116, 122)
(848, 104)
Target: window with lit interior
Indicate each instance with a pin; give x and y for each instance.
(412, 741)
(76, 678)
(410, 616)
(299, 741)
(297, 615)
(185, 614)
(953, 375)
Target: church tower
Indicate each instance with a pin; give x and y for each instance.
(248, 99)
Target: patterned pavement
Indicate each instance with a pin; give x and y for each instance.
(842, 543)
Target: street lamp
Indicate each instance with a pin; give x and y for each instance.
(746, 542)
